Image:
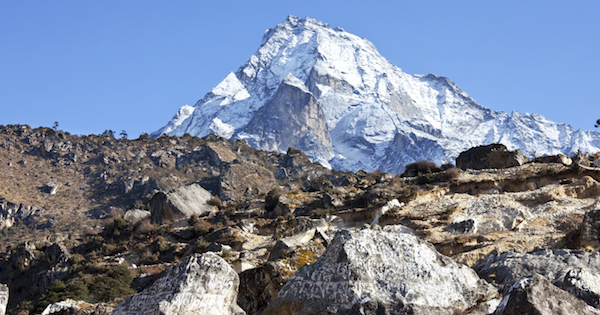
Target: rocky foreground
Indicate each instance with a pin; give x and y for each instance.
(242, 231)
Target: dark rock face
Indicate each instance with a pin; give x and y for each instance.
(491, 156)
(380, 272)
(536, 295)
(590, 229)
(258, 287)
(201, 284)
(574, 271)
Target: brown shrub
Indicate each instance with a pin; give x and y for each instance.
(420, 168)
(215, 201)
(144, 226)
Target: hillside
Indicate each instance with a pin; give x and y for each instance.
(96, 218)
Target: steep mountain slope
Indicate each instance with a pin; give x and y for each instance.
(333, 96)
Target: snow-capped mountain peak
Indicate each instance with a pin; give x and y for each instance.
(332, 95)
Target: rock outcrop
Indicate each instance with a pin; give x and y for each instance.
(380, 272)
(201, 284)
(576, 272)
(489, 157)
(180, 203)
(536, 295)
(10, 213)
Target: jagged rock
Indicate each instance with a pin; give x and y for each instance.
(71, 307)
(493, 156)
(380, 272)
(136, 215)
(3, 298)
(258, 287)
(536, 295)
(574, 271)
(180, 203)
(201, 284)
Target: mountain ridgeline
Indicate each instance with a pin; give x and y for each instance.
(331, 95)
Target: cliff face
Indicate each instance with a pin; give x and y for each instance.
(291, 118)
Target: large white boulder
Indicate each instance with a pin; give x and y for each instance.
(202, 284)
(377, 271)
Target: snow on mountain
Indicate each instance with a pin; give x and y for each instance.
(333, 96)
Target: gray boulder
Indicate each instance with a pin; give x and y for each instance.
(180, 203)
(380, 272)
(536, 295)
(493, 156)
(576, 272)
(201, 284)
(136, 215)
(3, 298)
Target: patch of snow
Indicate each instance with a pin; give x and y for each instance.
(222, 129)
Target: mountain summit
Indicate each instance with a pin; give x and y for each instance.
(333, 96)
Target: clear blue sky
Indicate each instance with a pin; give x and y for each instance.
(129, 65)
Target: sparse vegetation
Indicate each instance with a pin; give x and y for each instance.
(102, 178)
